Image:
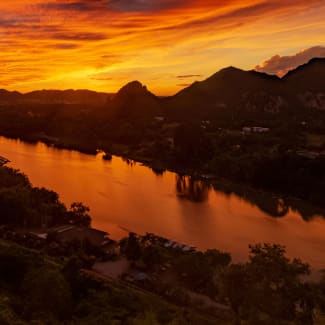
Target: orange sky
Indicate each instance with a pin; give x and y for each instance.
(166, 44)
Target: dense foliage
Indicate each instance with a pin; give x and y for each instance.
(35, 289)
(288, 159)
(23, 205)
(269, 288)
(50, 282)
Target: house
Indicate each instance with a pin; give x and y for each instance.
(97, 238)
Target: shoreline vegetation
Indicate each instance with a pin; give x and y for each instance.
(44, 245)
(249, 127)
(281, 201)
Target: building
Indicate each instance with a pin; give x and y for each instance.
(97, 238)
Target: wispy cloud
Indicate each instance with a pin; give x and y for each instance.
(280, 65)
(187, 76)
(101, 43)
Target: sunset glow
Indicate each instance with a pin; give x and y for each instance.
(166, 44)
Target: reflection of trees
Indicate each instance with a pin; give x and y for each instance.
(273, 205)
(306, 210)
(129, 162)
(158, 171)
(191, 189)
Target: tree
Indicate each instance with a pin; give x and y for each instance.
(46, 291)
(149, 318)
(14, 206)
(7, 315)
(268, 288)
(235, 286)
(78, 214)
(276, 284)
(130, 247)
(12, 269)
(195, 271)
(217, 259)
(152, 255)
(192, 144)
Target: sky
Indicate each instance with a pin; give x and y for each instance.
(165, 44)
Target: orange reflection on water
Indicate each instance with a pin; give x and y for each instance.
(125, 198)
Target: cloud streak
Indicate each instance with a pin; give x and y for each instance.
(61, 43)
(186, 76)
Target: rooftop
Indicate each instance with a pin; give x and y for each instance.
(69, 232)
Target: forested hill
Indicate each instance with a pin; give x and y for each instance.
(54, 97)
(247, 126)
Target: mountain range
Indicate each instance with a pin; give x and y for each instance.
(230, 90)
(69, 96)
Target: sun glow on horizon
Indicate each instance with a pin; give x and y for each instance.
(166, 44)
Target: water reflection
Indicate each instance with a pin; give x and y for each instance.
(191, 189)
(124, 195)
(271, 204)
(195, 190)
(129, 162)
(158, 171)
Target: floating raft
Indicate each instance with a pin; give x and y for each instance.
(3, 161)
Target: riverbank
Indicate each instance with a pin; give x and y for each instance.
(3, 161)
(158, 166)
(172, 206)
(201, 282)
(206, 282)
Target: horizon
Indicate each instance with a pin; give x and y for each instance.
(167, 44)
(256, 69)
(162, 162)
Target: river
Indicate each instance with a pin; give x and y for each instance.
(126, 196)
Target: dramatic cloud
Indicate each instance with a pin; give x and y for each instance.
(101, 44)
(280, 65)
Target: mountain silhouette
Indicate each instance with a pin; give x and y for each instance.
(9, 96)
(230, 89)
(134, 100)
(231, 92)
(69, 96)
(307, 84)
